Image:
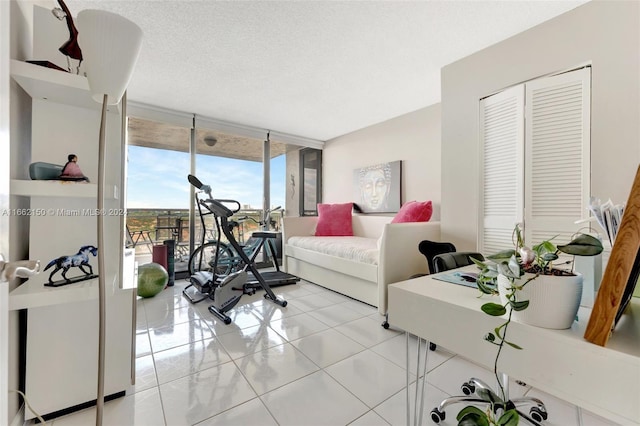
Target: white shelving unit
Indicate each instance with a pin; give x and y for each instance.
(53, 85)
(69, 89)
(57, 188)
(34, 294)
(52, 188)
(62, 322)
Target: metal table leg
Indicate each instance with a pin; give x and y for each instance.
(419, 395)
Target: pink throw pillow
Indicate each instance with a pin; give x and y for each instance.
(334, 220)
(414, 211)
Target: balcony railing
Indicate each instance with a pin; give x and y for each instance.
(160, 225)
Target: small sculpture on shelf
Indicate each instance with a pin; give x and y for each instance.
(71, 170)
(18, 269)
(48, 171)
(64, 263)
(71, 48)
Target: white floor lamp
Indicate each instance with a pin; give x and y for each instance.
(110, 46)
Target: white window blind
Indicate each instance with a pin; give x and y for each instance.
(501, 135)
(535, 141)
(557, 153)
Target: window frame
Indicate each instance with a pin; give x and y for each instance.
(305, 156)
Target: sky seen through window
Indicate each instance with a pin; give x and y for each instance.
(157, 178)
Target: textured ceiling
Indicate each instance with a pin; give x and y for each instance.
(317, 69)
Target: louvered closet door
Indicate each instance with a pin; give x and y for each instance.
(501, 138)
(557, 155)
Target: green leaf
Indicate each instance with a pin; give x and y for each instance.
(520, 305)
(504, 269)
(470, 422)
(469, 409)
(514, 266)
(498, 332)
(492, 266)
(472, 416)
(491, 273)
(480, 264)
(486, 286)
(490, 337)
(549, 257)
(509, 418)
(474, 421)
(493, 309)
(545, 247)
(513, 345)
(582, 245)
(487, 395)
(502, 255)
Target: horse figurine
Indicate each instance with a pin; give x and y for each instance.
(79, 260)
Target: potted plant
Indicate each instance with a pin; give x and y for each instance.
(513, 274)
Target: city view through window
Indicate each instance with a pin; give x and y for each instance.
(158, 193)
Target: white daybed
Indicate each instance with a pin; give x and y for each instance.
(361, 267)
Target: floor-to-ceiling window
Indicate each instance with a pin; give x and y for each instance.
(233, 165)
(160, 157)
(158, 162)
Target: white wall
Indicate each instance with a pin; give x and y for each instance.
(605, 34)
(413, 138)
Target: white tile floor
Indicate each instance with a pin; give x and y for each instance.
(322, 360)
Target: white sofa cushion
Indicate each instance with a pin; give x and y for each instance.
(358, 249)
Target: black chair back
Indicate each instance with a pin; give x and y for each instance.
(445, 261)
(430, 249)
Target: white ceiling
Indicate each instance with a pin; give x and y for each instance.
(317, 69)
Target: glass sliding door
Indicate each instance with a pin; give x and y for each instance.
(232, 166)
(164, 147)
(157, 188)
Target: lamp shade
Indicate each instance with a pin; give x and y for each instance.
(110, 44)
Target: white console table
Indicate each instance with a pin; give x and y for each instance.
(603, 380)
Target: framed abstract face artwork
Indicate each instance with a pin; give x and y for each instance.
(377, 187)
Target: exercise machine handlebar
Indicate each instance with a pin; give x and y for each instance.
(196, 182)
(215, 206)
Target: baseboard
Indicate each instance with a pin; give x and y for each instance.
(18, 419)
(82, 406)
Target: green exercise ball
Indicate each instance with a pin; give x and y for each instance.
(152, 278)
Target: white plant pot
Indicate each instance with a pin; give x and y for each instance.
(553, 300)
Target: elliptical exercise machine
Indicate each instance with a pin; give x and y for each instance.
(226, 290)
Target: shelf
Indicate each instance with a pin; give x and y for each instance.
(54, 85)
(34, 294)
(59, 188)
